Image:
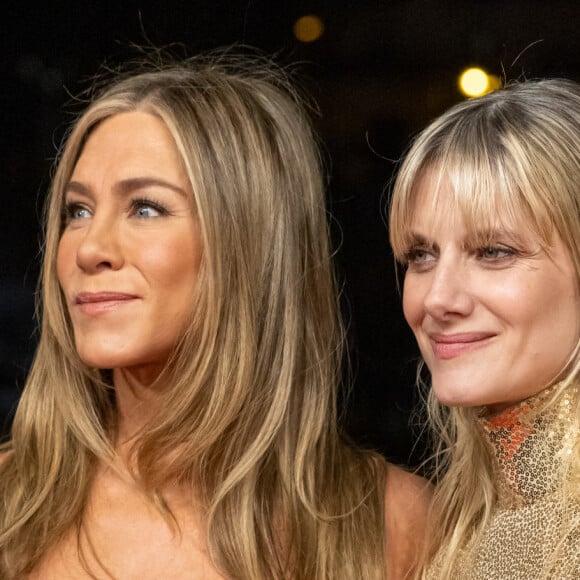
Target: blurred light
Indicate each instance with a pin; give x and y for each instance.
(494, 83)
(474, 82)
(308, 28)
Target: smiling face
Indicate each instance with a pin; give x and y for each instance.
(495, 322)
(129, 255)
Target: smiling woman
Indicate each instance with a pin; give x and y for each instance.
(180, 418)
(477, 309)
(485, 217)
(129, 255)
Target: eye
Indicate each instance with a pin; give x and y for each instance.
(419, 258)
(147, 209)
(491, 253)
(74, 211)
(147, 212)
(417, 255)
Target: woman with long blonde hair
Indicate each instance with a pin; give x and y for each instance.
(485, 217)
(179, 419)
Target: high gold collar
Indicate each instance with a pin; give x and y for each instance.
(532, 444)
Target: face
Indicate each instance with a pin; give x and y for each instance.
(130, 251)
(495, 324)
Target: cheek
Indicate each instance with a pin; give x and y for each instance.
(412, 302)
(173, 264)
(65, 259)
(536, 304)
(559, 315)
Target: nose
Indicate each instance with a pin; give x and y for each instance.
(101, 247)
(449, 293)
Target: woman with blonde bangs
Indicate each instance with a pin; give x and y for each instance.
(485, 217)
(179, 419)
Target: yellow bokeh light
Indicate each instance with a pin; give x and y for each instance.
(308, 28)
(494, 83)
(474, 82)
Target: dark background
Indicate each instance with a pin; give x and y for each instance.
(380, 71)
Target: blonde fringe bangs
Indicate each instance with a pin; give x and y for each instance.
(492, 179)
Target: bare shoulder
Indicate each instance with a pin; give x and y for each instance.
(403, 487)
(407, 498)
(4, 455)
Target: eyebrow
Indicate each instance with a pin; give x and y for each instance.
(414, 238)
(127, 186)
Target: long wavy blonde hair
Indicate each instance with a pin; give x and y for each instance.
(514, 152)
(250, 420)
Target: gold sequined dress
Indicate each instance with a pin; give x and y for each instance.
(532, 450)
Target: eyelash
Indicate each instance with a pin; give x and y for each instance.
(505, 251)
(69, 210)
(140, 202)
(135, 205)
(420, 256)
(412, 256)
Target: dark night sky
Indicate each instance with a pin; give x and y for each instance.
(380, 71)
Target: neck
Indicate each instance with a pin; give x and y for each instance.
(137, 395)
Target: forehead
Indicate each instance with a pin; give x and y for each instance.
(129, 147)
(135, 134)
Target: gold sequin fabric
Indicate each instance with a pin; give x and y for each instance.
(533, 533)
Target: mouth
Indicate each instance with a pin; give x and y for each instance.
(93, 303)
(448, 346)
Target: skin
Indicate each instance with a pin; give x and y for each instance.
(407, 500)
(121, 521)
(495, 324)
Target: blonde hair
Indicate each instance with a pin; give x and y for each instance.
(250, 420)
(512, 153)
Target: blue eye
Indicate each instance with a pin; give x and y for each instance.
(76, 211)
(418, 255)
(147, 209)
(495, 252)
(420, 259)
(147, 212)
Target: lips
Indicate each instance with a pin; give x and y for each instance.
(448, 346)
(93, 303)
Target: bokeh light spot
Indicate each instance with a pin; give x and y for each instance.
(308, 28)
(474, 82)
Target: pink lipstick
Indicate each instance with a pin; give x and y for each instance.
(93, 303)
(448, 346)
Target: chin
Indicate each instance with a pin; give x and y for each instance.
(103, 358)
(460, 396)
